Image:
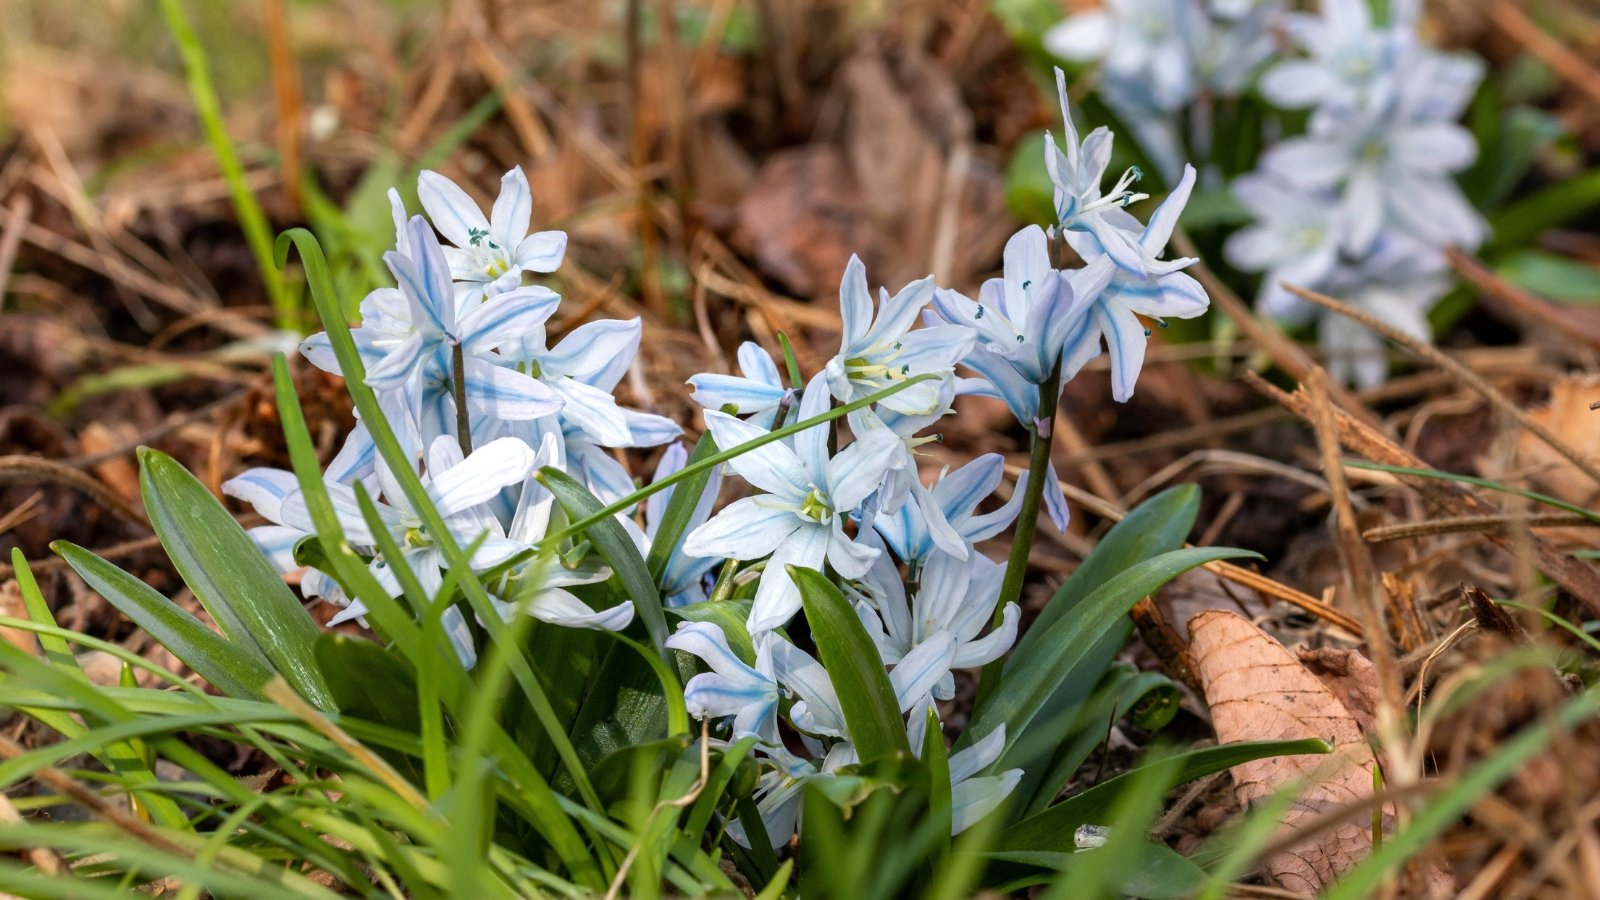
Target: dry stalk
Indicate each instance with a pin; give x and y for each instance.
(1360, 578)
(1475, 524)
(1227, 571)
(1575, 577)
(1284, 352)
(1467, 377)
(20, 468)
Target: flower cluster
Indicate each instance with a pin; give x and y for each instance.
(1162, 57)
(458, 357)
(1363, 204)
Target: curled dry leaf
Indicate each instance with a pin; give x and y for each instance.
(1258, 690)
(1569, 418)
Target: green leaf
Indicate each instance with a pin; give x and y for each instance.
(1546, 208)
(1030, 196)
(937, 759)
(1158, 525)
(368, 682)
(866, 697)
(1154, 870)
(1121, 692)
(680, 509)
(1033, 677)
(56, 650)
(234, 668)
(229, 575)
(1550, 275)
(616, 548)
(729, 615)
(1053, 829)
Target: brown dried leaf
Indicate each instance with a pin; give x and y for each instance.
(119, 473)
(1258, 691)
(1569, 418)
(11, 607)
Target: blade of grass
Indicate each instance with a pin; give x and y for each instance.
(257, 232)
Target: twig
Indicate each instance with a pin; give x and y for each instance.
(1493, 286)
(1286, 353)
(1510, 19)
(1355, 561)
(1467, 377)
(19, 468)
(1227, 571)
(1465, 524)
(10, 239)
(1578, 579)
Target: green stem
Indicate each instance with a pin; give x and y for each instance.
(1041, 434)
(458, 383)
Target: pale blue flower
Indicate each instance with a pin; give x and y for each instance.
(1349, 55)
(1077, 173)
(457, 488)
(1387, 170)
(1026, 315)
(879, 349)
(732, 688)
(817, 710)
(1398, 282)
(758, 394)
(266, 490)
(1142, 41)
(1294, 239)
(800, 518)
(955, 496)
(1159, 292)
(955, 598)
(488, 249)
(538, 588)
(583, 369)
(973, 796)
(408, 338)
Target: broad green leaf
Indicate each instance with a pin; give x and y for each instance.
(1052, 830)
(229, 575)
(616, 548)
(1559, 278)
(1155, 526)
(1031, 679)
(368, 682)
(1158, 525)
(1121, 691)
(871, 712)
(235, 668)
(730, 616)
(937, 759)
(1154, 871)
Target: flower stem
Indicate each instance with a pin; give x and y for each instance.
(1041, 434)
(458, 383)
